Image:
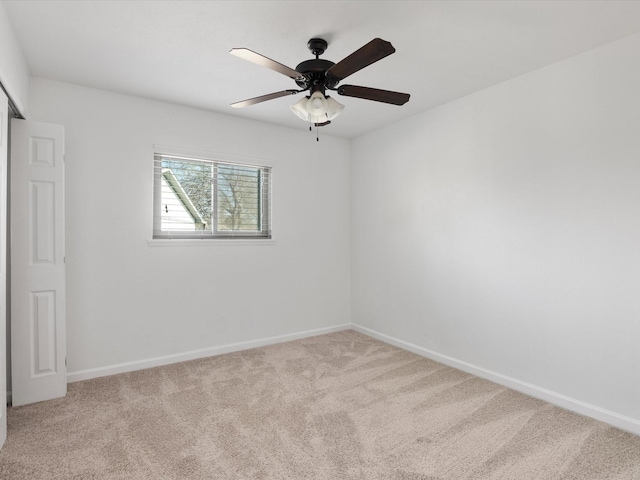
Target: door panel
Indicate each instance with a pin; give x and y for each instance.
(38, 307)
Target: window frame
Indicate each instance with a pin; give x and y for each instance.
(212, 235)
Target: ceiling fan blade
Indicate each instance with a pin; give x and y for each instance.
(263, 98)
(386, 96)
(263, 61)
(373, 51)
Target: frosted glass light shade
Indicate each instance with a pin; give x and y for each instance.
(333, 108)
(317, 105)
(300, 109)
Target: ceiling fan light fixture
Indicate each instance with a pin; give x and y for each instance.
(317, 108)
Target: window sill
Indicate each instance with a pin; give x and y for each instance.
(193, 242)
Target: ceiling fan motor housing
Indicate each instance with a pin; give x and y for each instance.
(314, 70)
(314, 73)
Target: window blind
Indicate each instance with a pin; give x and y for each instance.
(201, 198)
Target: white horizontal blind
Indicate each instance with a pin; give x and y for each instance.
(200, 198)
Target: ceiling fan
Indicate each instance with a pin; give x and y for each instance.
(318, 75)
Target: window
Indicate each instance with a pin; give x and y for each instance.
(203, 198)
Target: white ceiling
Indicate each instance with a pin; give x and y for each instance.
(177, 51)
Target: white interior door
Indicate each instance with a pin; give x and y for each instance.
(4, 126)
(38, 305)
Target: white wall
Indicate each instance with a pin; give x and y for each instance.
(130, 302)
(503, 230)
(14, 72)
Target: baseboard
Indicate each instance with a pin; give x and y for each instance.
(88, 374)
(612, 418)
(629, 424)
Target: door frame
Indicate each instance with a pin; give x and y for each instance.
(4, 276)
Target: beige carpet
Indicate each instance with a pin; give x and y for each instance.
(337, 406)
